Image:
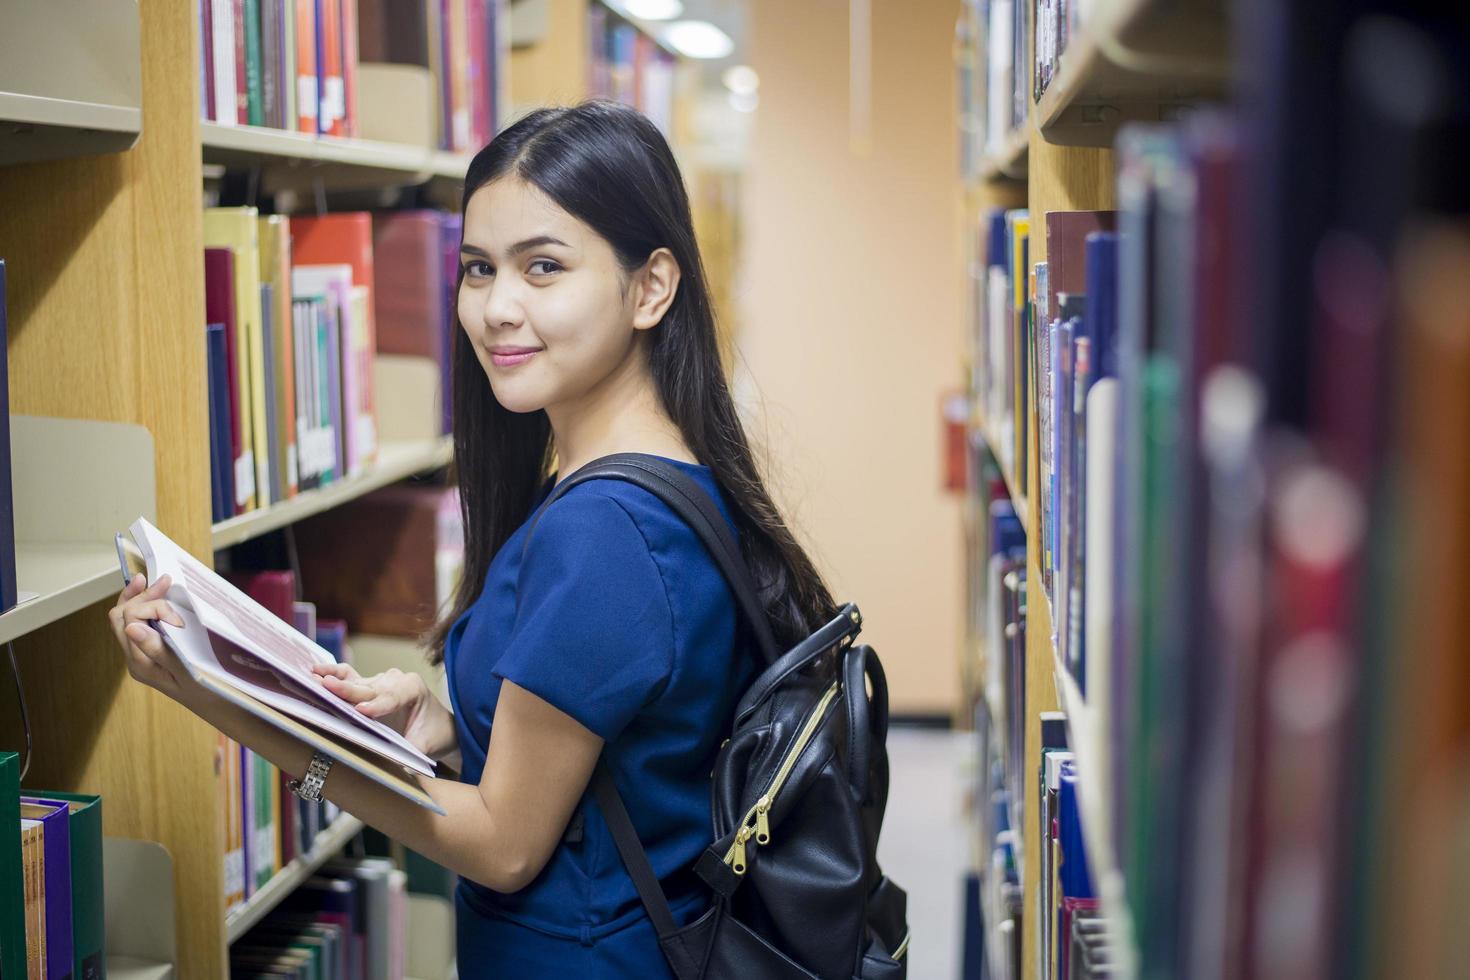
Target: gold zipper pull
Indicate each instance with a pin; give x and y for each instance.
(737, 852)
(762, 821)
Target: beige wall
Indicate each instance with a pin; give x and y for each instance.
(850, 323)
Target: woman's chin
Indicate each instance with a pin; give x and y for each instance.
(518, 401)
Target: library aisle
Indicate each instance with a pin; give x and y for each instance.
(1081, 387)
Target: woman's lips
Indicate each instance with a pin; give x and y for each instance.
(511, 360)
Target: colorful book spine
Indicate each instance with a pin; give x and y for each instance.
(9, 586)
(84, 831)
(12, 874)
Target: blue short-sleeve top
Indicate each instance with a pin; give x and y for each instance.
(619, 617)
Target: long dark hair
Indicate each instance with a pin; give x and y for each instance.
(607, 165)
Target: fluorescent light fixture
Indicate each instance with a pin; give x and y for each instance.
(654, 9)
(744, 101)
(742, 80)
(698, 39)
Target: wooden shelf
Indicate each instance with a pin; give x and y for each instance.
(239, 919)
(135, 968)
(34, 128)
(296, 161)
(1010, 162)
(1134, 60)
(396, 461)
(1089, 746)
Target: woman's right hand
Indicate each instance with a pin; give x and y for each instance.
(401, 701)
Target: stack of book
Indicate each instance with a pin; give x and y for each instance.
(629, 66)
(348, 922)
(304, 66)
(51, 901)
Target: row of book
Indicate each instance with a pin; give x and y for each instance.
(992, 50)
(51, 901)
(318, 67)
(299, 320)
(266, 826)
(629, 66)
(1055, 22)
(347, 922)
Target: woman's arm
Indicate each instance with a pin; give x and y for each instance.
(500, 833)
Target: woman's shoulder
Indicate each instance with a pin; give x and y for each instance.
(593, 509)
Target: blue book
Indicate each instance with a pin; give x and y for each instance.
(1100, 322)
(1007, 534)
(9, 590)
(55, 821)
(221, 469)
(1076, 879)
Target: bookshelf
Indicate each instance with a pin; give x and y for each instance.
(1134, 60)
(329, 842)
(396, 461)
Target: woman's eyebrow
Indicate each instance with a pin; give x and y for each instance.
(517, 248)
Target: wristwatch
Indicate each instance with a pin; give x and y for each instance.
(309, 787)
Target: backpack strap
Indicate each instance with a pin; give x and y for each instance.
(695, 507)
(635, 859)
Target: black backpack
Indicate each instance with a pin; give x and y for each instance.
(799, 792)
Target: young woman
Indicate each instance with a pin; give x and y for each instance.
(587, 331)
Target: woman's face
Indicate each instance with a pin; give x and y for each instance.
(544, 300)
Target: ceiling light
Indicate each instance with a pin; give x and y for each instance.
(654, 9)
(744, 101)
(742, 80)
(698, 39)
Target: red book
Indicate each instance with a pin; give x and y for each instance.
(410, 297)
(273, 589)
(478, 28)
(219, 307)
(1066, 251)
(242, 86)
(206, 55)
(333, 102)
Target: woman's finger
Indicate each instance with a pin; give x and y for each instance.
(353, 691)
(138, 611)
(340, 671)
(384, 704)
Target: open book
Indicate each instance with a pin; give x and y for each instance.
(241, 651)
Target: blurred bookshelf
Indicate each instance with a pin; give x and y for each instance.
(328, 844)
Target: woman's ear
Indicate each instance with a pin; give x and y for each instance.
(658, 282)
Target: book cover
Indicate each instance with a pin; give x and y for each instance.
(33, 871)
(237, 228)
(308, 97)
(12, 879)
(458, 40)
(349, 66)
(371, 875)
(275, 490)
(254, 94)
(206, 58)
(394, 33)
(303, 320)
(84, 831)
(290, 114)
(332, 106)
(434, 34)
(1066, 245)
(241, 62)
(451, 236)
(219, 307)
(363, 399)
(9, 587)
(56, 842)
(222, 24)
(477, 50)
(409, 303)
(233, 787)
(392, 536)
(333, 284)
(335, 901)
(275, 270)
(270, 61)
(336, 239)
(222, 490)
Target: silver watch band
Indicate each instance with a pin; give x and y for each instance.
(309, 786)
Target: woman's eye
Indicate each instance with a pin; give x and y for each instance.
(478, 270)
(543, 267)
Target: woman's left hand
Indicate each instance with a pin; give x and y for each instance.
(149, 659)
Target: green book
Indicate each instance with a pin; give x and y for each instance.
(255, 97)
(12, 889)
(87, 925)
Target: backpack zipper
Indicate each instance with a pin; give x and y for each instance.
(903, 947)
(760, 829)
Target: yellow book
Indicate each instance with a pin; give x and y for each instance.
(33, 861)
(275, 271)
(237, 230)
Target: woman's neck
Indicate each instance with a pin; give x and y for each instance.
(622, 415)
